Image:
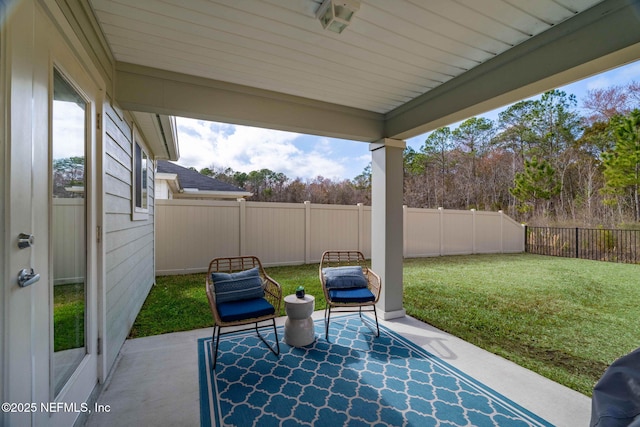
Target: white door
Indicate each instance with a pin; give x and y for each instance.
(50, 314)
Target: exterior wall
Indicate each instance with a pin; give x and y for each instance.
(192, 232)
(162, 190)
(129, 245)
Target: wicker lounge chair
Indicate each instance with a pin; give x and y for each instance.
(241, 293)
(348, 285)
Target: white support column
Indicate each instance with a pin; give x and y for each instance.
(387, 223)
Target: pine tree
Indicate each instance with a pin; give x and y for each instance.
(622, 163)
(537, 183)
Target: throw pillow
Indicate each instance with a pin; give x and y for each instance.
(237, 286)
(344, 277)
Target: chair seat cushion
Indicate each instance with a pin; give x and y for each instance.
(352, 295)
(238, 286)
(244, 309)
(344, 277)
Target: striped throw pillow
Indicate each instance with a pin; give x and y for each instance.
(237, 286)
(347, 277)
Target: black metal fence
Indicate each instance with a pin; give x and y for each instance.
(587, 243)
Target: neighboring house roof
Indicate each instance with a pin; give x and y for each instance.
(190, 183)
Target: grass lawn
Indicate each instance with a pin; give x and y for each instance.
(68, 316)
(564, 318)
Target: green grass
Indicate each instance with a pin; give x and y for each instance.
(564, 318)
(68, 316)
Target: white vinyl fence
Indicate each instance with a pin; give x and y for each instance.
(68, 251)
(189, 233)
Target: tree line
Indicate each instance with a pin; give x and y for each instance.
(544, 161)
(269, 186)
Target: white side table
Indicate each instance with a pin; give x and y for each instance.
(298, 328)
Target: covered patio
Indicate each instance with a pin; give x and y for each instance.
(155, 380)
(398, 70)
(395, 70)
(372, 71)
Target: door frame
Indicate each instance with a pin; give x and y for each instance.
(88, 366)
(75, 65)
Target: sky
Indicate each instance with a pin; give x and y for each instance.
(244, 149)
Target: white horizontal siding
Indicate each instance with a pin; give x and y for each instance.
(129, 245)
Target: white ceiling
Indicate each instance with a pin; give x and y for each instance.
(393, 52)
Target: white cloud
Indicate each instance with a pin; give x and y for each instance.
(244, 149)
(616, 77)
(630, 73)
(68, 130)
(599, 82)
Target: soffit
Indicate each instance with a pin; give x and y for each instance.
(393, 52)
(160, 134)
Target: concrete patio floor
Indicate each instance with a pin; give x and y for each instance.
(155, 382)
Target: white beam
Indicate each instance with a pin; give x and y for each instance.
(601, 38)
(145, 89)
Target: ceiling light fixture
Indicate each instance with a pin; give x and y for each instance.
(335, 15)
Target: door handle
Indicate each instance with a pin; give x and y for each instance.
(25, 240)
(27, 277)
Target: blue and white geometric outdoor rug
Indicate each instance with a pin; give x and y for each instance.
(353, 380)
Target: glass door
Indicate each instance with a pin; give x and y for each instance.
(68, 229)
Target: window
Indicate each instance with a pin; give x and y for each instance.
(140, 181)
(68, 236)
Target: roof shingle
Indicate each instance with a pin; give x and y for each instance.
(189, 178)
